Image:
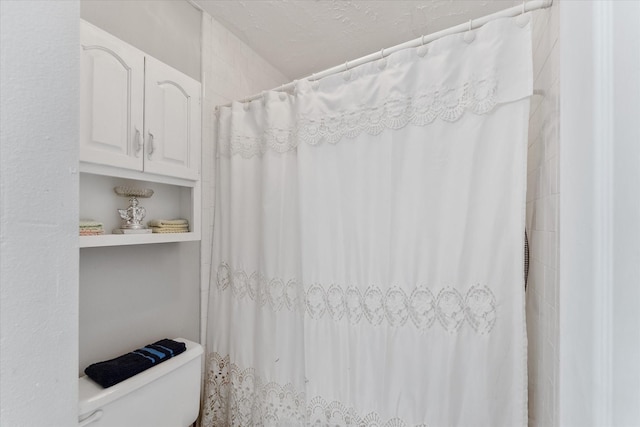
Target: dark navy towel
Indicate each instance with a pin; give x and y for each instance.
(113, 371)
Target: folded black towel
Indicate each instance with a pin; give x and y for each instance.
(113, 371)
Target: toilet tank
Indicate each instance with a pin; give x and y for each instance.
(167, 395)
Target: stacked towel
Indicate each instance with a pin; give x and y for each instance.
(169, 225)
(116, 370)
(89, 227)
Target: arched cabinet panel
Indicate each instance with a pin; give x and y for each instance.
(172, 131)
(111, 91)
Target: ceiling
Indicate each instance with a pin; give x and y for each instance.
(300, 37)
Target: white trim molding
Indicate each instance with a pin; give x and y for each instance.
(599, 380)
(602, 215)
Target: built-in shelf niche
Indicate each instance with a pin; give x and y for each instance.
(99, 202)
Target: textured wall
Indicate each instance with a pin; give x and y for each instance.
(39, 83)
(231, 71)
(295, 34)
(131, 296)
(542, 221)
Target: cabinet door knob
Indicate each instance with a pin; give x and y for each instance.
(151, 148)
(138, 142)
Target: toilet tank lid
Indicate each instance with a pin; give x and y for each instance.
(92, 396)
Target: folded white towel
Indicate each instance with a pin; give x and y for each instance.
(169, 230)
(89, 223)
(91, 232)
(168, 222)
(173, 227)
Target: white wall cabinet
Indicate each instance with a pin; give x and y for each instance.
(140, 125)
(172, 121)
(137, 113)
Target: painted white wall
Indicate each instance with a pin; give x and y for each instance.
(167, 30)
(626, 215)
(39, 83)
(131, 296)
(231, 70)
(542, 220)
(599, 330)
(134, 295)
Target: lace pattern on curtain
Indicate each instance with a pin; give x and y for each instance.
(446, 103)
(275, 139)
(239, 397)
(394, 307)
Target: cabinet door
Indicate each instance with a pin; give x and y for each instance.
(172, 121)
(111, 100)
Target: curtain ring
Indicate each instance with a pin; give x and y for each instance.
(382, 63)
(523, 19)
(347, 72)
(469, 36)
(422, 50)
(315, 83)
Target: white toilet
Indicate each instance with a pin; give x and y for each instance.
(167, 395)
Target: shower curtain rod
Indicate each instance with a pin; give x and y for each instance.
(471, 25)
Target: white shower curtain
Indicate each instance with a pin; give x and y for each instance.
(368, 244)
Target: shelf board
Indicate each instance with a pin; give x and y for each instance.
(95, 169)
(135, 239)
